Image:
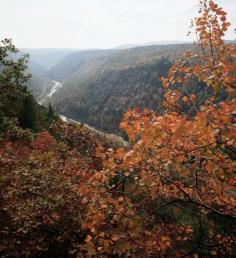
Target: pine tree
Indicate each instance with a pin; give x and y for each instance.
(28, 113)
(50, 112)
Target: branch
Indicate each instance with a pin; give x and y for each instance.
(118, 184)
(177, 107)
(200, 204)
(187, 152)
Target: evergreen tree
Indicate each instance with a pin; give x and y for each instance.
(28, 113)
(12, 78)
(50, 112)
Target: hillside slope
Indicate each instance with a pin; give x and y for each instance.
(102, 100)
(84, 64)
(47, 58)
(100, 85)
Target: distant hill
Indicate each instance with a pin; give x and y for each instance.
(85, 64)
(47, 57)
(76, 64)
(35, 68)
(154, 43)
(127, 46)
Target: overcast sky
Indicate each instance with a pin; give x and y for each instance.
(98, 23)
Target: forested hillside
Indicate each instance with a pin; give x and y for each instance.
(39, 86)
(84, 64)
(99, 86)
(102, 100)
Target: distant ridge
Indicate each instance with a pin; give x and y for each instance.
(47, 57)
(163, 42)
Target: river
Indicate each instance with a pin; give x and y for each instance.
(57, 85)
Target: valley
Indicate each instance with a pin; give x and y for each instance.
(99, 86)
(111, 139)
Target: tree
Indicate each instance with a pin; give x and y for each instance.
(51, 113)
(173, 194)
(28, 112)
(12, 78)
(17, 104)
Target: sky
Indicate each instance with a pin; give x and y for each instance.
(86, 24)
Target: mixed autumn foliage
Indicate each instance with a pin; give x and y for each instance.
(171, 194)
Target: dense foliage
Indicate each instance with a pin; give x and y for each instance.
(172, 193)
(40, 205)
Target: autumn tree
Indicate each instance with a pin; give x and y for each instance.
(173, 194)
(40, 205)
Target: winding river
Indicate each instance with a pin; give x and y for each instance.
(56, 86)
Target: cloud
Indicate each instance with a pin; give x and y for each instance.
(97, 23)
